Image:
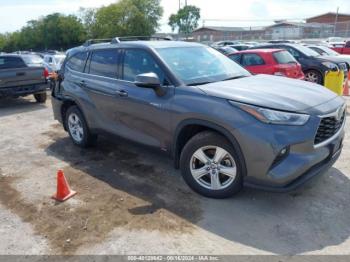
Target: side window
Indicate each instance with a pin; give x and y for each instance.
(293, 52)
(2, 62)
(77, 61)
(104, 63)
(236, 58)
(252, 60)
(139, 62)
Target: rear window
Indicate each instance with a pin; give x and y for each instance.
(104, 63)
(11, 62)
(32, 59)
(284, 57)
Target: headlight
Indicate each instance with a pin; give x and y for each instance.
(270, 116)
(330, 65)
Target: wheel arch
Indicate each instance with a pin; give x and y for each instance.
(190, 127)
(67, 102)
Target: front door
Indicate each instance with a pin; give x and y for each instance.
(141, 113)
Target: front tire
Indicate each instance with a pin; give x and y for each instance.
(78, 129)
(314, 77)
(210, 166)
(41, 97)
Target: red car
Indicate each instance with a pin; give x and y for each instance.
(343, 49)
(269, 61)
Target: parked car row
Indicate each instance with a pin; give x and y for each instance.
(224, 127)
(309, 62)
(269, 61)
(22, 75)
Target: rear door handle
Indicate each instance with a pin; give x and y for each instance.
(121, 93)
(20, 74)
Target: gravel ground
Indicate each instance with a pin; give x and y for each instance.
(132, 201)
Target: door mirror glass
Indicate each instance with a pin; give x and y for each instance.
(147, 80)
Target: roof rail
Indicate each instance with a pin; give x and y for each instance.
(117, 40)
(138, 38)
(95, 41)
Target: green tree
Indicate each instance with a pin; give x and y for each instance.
(186, 19)
(88, 18)
(54, 31)
(126, 18)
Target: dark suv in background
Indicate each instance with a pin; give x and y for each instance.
(313, 64)
(222, 126)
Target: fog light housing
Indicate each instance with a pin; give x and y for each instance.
(283, 153)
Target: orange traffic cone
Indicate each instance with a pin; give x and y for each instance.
(63, 190)
(346, 86)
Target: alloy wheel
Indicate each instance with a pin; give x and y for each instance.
(213, 167)
(76, 127)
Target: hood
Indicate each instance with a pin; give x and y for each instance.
(269, 91)
(335, 59)
(345, 58)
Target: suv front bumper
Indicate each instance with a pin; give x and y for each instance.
(303, 161)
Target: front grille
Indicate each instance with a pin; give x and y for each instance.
(328, 127)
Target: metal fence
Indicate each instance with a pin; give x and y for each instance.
(292, 31)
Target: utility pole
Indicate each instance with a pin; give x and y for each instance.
(179, 4)
(336, 21)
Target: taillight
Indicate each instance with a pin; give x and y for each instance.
(46, 73)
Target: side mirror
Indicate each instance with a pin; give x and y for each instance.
(148, 80)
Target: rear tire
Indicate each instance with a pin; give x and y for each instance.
(78, 129)
(41, 97)
(222, 174)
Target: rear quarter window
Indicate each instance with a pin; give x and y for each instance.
(77, 61)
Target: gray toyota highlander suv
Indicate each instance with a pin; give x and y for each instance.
(223, 127)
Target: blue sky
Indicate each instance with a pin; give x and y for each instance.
(15, 13)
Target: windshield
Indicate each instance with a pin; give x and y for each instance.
(32, 59)
(59, 59)
(306, 51)
(284, 57)
(335, 39)
(196, 65)
(328, 50)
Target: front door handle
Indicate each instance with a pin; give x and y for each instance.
(82, 83)
(121, 93)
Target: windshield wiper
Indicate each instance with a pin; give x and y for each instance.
(199, 83)
(234, 77)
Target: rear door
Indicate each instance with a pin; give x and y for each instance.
(142, 115)
(255, 64)
(101, 85)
